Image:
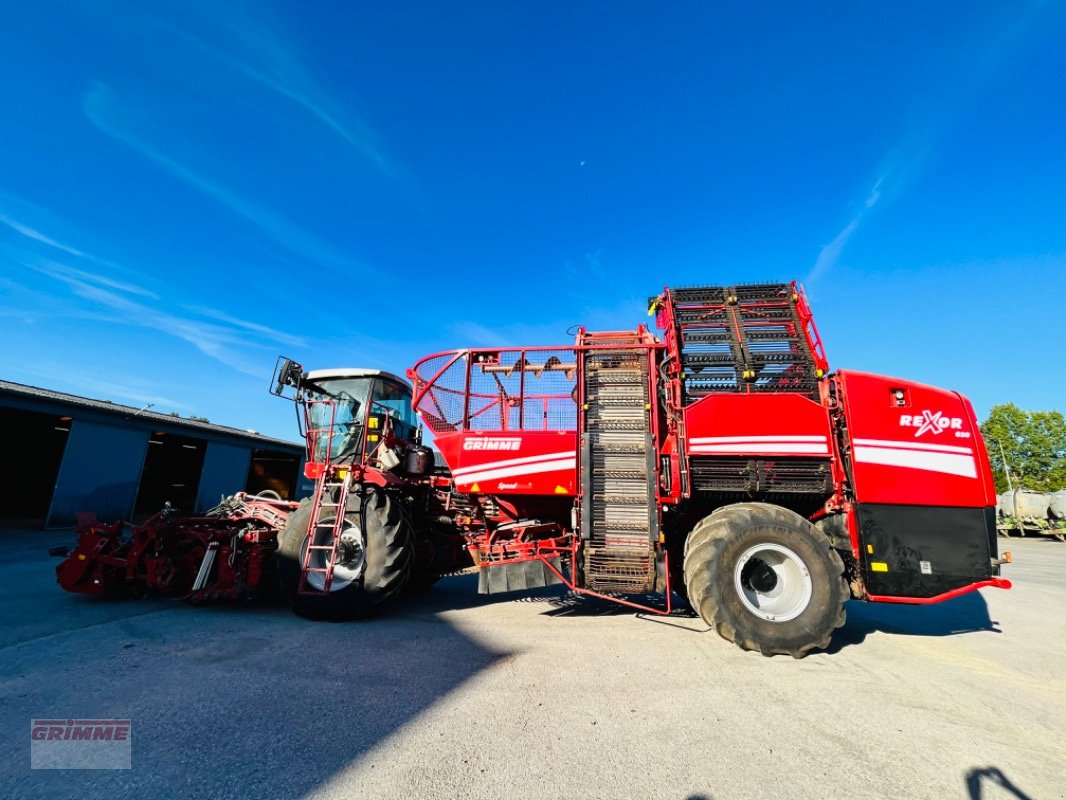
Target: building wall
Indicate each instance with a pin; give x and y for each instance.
(103, 460)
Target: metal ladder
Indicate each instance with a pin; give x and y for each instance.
(331, 495)
(618, 507)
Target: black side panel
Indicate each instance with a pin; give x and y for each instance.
(923, 551)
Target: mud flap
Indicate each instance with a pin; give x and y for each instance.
(517, 577)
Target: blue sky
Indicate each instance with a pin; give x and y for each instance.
(188, 189)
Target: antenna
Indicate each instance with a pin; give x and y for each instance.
(146, 407)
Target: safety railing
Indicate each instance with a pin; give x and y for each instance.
(514, 389)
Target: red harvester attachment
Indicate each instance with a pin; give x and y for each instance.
(227, 553)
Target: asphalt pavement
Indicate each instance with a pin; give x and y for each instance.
(456, 695)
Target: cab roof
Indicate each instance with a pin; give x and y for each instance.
(319, 375)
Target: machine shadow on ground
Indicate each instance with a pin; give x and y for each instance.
(993, 779)
(965, 614)
(237, 700)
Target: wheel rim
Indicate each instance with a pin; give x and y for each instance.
(772, 582)
(351, 556)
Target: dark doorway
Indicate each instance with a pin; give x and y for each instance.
(171, 474)
(35, 444)
(274, 471)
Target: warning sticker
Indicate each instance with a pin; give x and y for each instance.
(926, 567)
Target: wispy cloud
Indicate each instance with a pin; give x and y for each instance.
(131, 388)
(120, 123)
(830, 253)
(64, 271)
(30, 232)
(905, 162)
(261, 52)
(254, 327)
(227, 339)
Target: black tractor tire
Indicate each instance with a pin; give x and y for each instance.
(388, 549)
(764, 578)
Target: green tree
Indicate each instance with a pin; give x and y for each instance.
(1034, 443)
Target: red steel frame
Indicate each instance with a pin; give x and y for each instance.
(514, 551)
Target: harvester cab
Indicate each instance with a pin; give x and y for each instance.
(365, 455)
(359, 417)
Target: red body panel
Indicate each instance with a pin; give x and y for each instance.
(924, 449)
(511, 462)
(757, 425)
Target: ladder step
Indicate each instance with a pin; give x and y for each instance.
(622, 474)
(618, 401)
(617, 425)
(621, 499)
(615, 376)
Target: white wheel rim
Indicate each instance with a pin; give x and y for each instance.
(351, 559)
(772, 582)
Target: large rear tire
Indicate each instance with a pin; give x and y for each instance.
(764, 578)
(372, 569)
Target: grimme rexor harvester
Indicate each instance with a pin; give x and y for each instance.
(722, 462)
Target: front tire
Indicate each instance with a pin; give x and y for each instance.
(764, 578)
(372, 571)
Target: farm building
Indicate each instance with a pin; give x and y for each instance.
(69, 454)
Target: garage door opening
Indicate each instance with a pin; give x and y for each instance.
(35, 444)
(274, 471)
(171, 474)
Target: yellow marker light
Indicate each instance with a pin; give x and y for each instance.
(878, 566)
(81, 556)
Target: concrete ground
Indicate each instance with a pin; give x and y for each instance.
(454, 695)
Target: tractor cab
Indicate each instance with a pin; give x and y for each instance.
(349, 415)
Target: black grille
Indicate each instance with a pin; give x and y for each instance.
(761, 476)
(742, 338)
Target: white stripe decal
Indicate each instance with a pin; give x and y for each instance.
(946, 448)
(523, 469)
(509, 462)
(947, 463)
(726, 439)
(807, 448)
